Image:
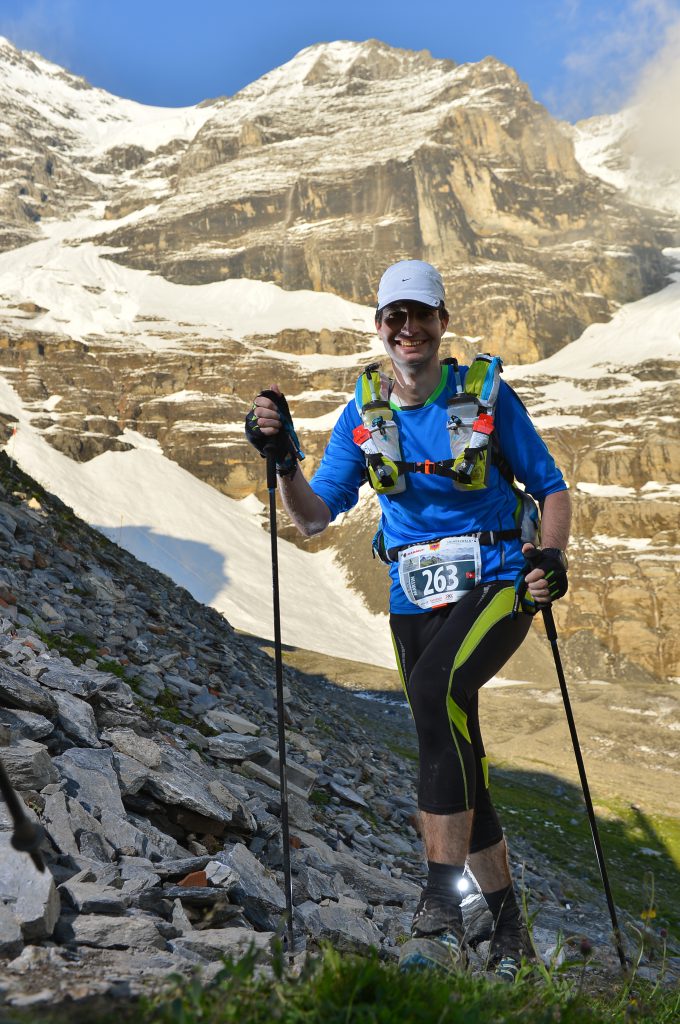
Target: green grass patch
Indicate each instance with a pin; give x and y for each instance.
(114, 667)
(346, 989)
(550, 814)
(77, 648)
(407, 753)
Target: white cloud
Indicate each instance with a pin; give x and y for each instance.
(656, 140)
(604, 69)
(44, 26)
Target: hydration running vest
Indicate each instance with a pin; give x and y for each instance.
(473, 441)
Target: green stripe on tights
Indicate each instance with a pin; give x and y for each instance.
(498, 608)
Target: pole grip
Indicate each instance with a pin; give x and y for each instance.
(532, 559)
(270, 455)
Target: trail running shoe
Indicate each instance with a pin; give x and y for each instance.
(510, 944)
(437, 937)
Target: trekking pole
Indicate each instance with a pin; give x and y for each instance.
(26, 836)
(285, 834)
(551, 632)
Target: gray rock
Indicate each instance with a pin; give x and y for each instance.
(184, 785)
(28, 765)
(298, 776)
(44, 997)
(310, 884)
(91, 898)
(137, 867)
(194, 895)
(57, 823)
(225, 721)
(122, 834)
(204, 701)
(26, 723)
(394, 923)
(89, 834)
(68, 678)
(218, 873)
(372, 885)
(254, 888)
(176, 869)
(350, 796)
(342, 926)
(300, 812)
(267, 825)
(243, 818)
(131, 774)
(91, 779)
(106, 932)
(232, 746)
(31, 894)
(214, 943)
(76, 718)
(477, 918)
(179, 918)
(16, 691)
(142, 749)
(269, 778)
(11, 941)
(159, 843)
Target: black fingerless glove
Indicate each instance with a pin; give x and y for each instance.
(553, 562)
(285, 444)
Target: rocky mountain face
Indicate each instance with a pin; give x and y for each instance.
(55, 128)
(317, 176)
(327, 169)
(139, 731)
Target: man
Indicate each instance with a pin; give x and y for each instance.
(478, 611)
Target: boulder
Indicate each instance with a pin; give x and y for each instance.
(16, 691)
(76, 718)
(91, 898)
(215, 943)
(57, 823)
(232, 746)
(11, 940)
(106, 932)
(346, 929)
(62, 676)
(31, 894)
(142, 749)
(27, 724)
(254, 888)
(225, 721)
(28, 765)
(91, 779)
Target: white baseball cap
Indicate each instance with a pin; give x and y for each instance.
(411, 279)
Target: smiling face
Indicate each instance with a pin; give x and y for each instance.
(411, 333)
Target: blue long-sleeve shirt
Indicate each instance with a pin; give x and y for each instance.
(430, 506)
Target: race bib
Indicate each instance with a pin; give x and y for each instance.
(436, 574)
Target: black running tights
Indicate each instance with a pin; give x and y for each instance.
(445, 656)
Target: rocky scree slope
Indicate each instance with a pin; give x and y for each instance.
(139, 731)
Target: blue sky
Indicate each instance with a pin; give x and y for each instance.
(580, 57)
